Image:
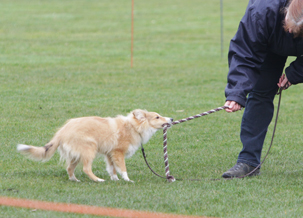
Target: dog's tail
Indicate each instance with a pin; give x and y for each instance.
(38, 153)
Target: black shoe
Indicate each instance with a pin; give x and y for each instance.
(240, 169)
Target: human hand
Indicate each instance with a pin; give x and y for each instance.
(283, 82)
(232, 106)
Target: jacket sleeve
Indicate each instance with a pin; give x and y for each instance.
(247, 51)
(294, 72)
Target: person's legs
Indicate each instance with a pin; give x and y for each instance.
(259, 112)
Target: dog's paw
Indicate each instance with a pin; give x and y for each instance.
(73, 178)
(100, 180)
(125, 177)
(114, 178)
(128, 180)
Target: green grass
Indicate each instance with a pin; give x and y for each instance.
(64, 59)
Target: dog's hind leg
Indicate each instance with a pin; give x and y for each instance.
(119, 164)
(110, 168)
(87, 168)
(71, 170)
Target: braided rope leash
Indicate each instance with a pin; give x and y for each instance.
(169, 177)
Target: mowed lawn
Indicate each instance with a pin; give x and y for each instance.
(61, 59)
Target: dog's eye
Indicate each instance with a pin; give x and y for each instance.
(157, 117)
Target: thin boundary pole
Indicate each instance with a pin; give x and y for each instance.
(132, 35)
(221, 18)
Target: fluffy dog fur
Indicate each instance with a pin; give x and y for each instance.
(81, 139)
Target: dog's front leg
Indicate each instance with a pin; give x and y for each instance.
(119, 164)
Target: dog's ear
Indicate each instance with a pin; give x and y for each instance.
(139, 114)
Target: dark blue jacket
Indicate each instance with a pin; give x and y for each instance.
(260, 32)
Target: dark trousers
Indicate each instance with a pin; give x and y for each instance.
(259, 110)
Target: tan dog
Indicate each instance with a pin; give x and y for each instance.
(81, 139)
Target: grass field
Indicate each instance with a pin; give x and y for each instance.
(63, 59)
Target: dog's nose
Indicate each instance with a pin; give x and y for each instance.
(171, 119)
